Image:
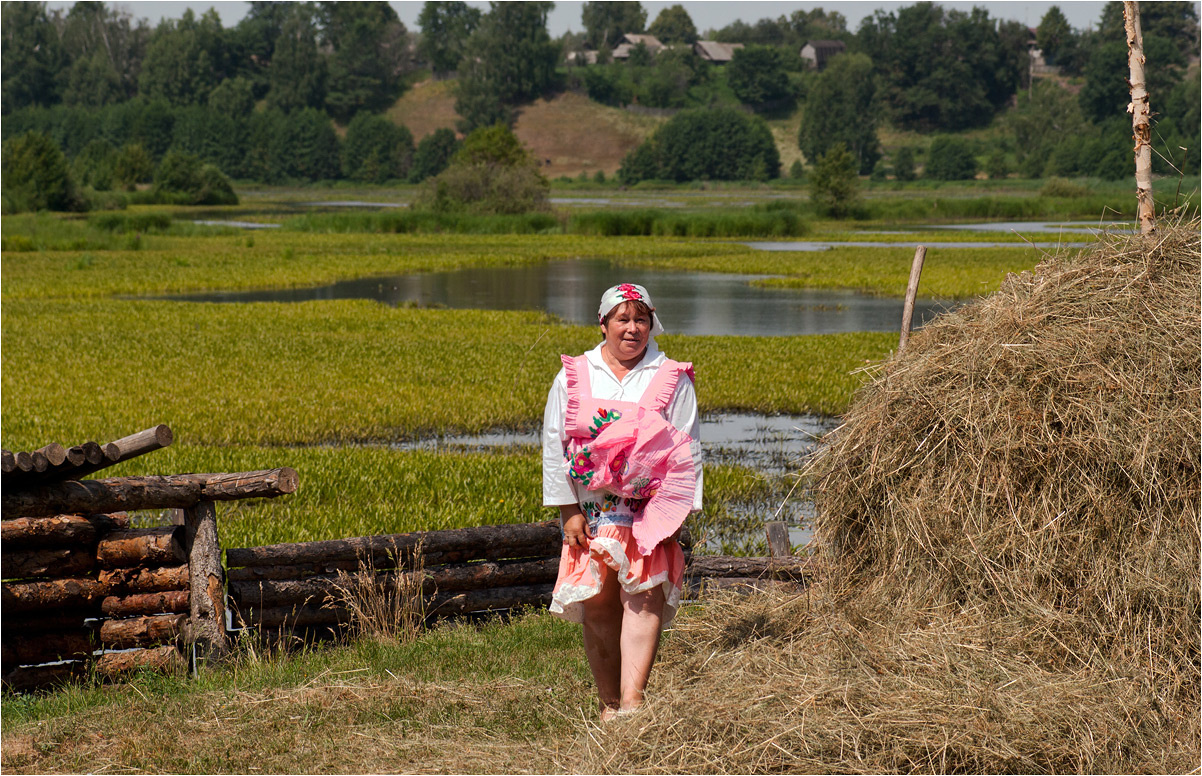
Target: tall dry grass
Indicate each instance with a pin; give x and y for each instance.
(386, 606)
(1009, 520)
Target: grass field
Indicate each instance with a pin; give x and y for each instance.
(332, 388)
(328, 387)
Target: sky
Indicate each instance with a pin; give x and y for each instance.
(706, 14)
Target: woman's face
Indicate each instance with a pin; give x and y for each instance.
(626, 331)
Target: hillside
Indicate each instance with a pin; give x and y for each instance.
(568, 134)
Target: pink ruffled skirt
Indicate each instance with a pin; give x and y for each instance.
(614, 551)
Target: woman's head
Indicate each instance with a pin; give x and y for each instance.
(628, 320)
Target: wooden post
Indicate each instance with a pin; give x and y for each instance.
(778, 539)
(1141, 124)
(206, 623)
(920, 254)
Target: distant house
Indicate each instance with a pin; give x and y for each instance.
(581, 58)
(1039, 64)
(630, 40)
(818, 52)
(713, 51)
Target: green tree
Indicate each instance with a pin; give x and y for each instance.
(152, 126)
(105, 49)
(666, 83)
(841, 108)
(1106, 91)
(212, 136)
(492, 173)
(996, 166)
(234, 97)
(674, 25)
(186, 59)
(94, 165)
(940, 69)
(834, 187)
(132, 166)
(433, 154)
(903, 164)
(606, 22)
(705, 144)
(369, 57)
(376, 150)
(757, 76)
(255, 36)
(30, 57)
(185, 179)
(1053, 33)
(446, 28)
(92, 82)
(34, 175)
(511, 61)
(301, 145)
(1052, 116)
(950, 159)
(297, 78)
(608, 85)
(1176, 22)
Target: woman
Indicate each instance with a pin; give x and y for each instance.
(622, 461)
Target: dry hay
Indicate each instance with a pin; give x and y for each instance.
(1010, 519)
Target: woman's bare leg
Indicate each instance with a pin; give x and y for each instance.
(641, 617)
(603, 630)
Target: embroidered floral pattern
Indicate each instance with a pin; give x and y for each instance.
(629, 292)
(618, 466)
(580, 466)
(635, 505)
(610, 503)
(602, 419)
(644, 487)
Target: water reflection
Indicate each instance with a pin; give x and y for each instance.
(694, 303)
(772, 446)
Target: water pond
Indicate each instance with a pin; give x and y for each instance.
(773, 446)
(695, 303)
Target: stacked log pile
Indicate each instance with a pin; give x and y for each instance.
(305, 586)
(55, 463)
(68, 578)
(84, 589)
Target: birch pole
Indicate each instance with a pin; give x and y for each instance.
(1141, 126)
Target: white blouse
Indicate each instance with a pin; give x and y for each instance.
(558, 488)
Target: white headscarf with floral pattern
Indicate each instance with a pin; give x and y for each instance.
(629, 292)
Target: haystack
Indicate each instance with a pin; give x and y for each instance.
(1009, 516)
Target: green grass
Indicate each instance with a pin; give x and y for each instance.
(367, 707)
(328, 386)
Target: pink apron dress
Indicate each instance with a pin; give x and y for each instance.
(641, 469)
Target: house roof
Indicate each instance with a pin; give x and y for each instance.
(826, 45)
(819, 51)
(713, 51)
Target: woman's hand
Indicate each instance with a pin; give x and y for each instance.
(576, 532)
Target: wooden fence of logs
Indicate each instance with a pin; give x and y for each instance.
(300, 588)
(86, 590)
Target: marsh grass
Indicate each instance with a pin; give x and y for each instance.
(347, 371)
(757, 221)
(392, 609)
(423, 222)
